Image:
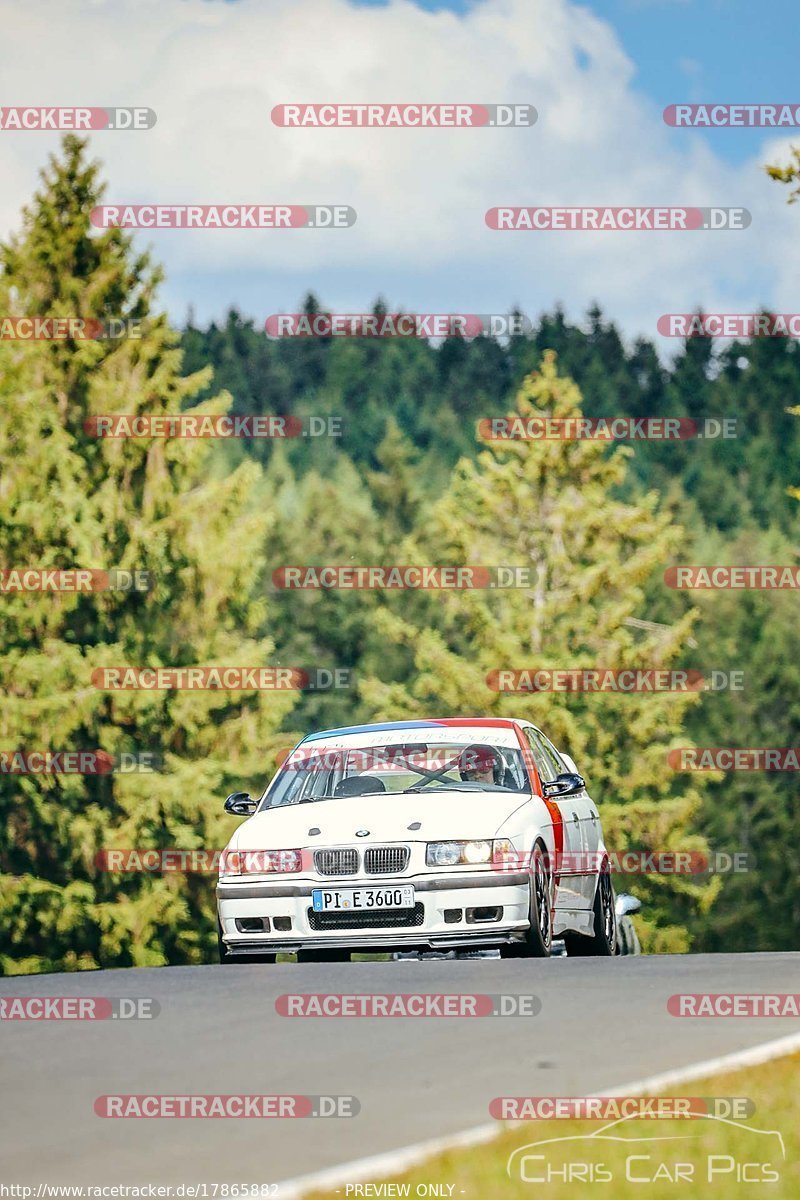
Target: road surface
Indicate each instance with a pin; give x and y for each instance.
(602, 1023)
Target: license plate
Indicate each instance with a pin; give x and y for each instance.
(361, 899)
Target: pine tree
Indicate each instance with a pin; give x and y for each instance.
(340, 519)
(68, 499)
(553, 507)
(751, 812)
(397, 488)
(790, 174)
(321, 521)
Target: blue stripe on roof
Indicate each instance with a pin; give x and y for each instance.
(313, 737)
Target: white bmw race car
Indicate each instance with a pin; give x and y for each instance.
(462, 833)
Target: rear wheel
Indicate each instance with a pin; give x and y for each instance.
(603, 941)
(539, 937)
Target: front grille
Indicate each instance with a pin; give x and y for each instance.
(336, 862)
(386, 860)
(387, 918)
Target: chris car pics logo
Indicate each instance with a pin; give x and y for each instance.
(624, 1151)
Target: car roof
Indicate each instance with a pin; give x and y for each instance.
(433, 723)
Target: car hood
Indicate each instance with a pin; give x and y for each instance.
(440, 816)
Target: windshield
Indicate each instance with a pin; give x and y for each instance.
(325, 773)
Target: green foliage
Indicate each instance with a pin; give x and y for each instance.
(407, 482)
(720, 491)
(550, 506)
(752, 812)
(788, 174)
(435, 395)
(70, 500)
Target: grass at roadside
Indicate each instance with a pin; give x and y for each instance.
(743, 1162)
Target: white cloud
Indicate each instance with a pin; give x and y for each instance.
(213, 71)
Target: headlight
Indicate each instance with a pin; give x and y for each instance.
(260, 862)
(444, 854)
(457, 854)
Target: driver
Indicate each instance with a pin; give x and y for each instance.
(479, 764)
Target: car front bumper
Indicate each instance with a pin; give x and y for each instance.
(476, 909)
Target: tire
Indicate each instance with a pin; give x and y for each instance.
(603, 943)
(627, 940)
(227, 959)
(321, 955)
(539, 938)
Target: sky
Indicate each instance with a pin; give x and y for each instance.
(598, 73)
(699, 50)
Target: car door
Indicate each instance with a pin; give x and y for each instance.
(577, 812)
(593, 819)
(570, 888)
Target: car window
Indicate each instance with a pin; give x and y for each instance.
(329, 773)
(548, 761)
(555, 757)
(542, 760)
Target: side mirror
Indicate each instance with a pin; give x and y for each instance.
(564, 785)
(241, 804)
(627, 904)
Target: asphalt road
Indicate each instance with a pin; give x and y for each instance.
(602, 1023)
